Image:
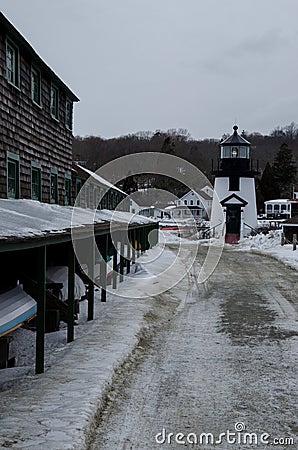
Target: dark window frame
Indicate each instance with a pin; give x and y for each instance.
(67, 190)
(69, 114)
(13, 73)
(36, 94)
(36, 167)
(234, 183)
(54, 104)
(54, 188)
(14, 160)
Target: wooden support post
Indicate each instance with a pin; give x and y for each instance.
(133, 241)
(115, 268)
(91, 283)
(138, 241)
(70, 299)
(283, 240)
(103, 269)
(122, 259)
(128, 253)
(294, 241)
(41, 309)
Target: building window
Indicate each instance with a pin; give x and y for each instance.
(191, 202)
(54, 186)
(54, 102)
(12, 64)
(36, 86)
(67, 190)
(78, 185)
(198, 202)
(234, 184)
(68, 114)
(185, 202)
(13, 175)
(35, 181)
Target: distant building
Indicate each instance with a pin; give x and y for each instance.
(197, 203)
(278, 209)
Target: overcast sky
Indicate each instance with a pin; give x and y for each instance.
(159, 64)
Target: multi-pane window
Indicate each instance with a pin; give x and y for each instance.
(13, 176)
(68, 114)
(35, 86)
(35, 181)
(55, 102)
(54, 187)
(67, 190)
(12, 64)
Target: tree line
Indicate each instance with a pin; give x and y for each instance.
(276, 153)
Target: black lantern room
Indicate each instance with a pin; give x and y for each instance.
(234, 157)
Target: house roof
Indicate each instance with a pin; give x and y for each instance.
(199, 194)
(88, 173)
(235, 138)
(29, 51)
(280, 200)
(233, 199)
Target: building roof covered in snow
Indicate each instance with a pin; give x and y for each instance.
(28, 219)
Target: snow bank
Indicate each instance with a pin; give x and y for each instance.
(270, 245)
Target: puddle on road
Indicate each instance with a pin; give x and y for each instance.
(246, 319)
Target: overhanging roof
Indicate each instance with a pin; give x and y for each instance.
(29, 223)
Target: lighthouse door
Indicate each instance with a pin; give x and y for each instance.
(233, 222)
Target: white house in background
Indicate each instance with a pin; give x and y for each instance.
(134, 208)
(153, 211)
(278, 209)
(196, 203)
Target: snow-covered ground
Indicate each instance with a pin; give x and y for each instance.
(55, 410)
(270, 245)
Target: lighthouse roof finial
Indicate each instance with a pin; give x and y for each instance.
(235, 139)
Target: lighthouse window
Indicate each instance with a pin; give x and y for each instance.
(243, 152)
(234, 152)
(234, 184)
(225, 152)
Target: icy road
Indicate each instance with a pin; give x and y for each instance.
(218, 371)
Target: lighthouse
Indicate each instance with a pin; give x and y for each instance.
(234, 209)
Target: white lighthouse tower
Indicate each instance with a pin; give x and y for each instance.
(234, 201)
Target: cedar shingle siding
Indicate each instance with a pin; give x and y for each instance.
(27, 129)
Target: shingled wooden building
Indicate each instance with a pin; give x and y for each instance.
(36, 117)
